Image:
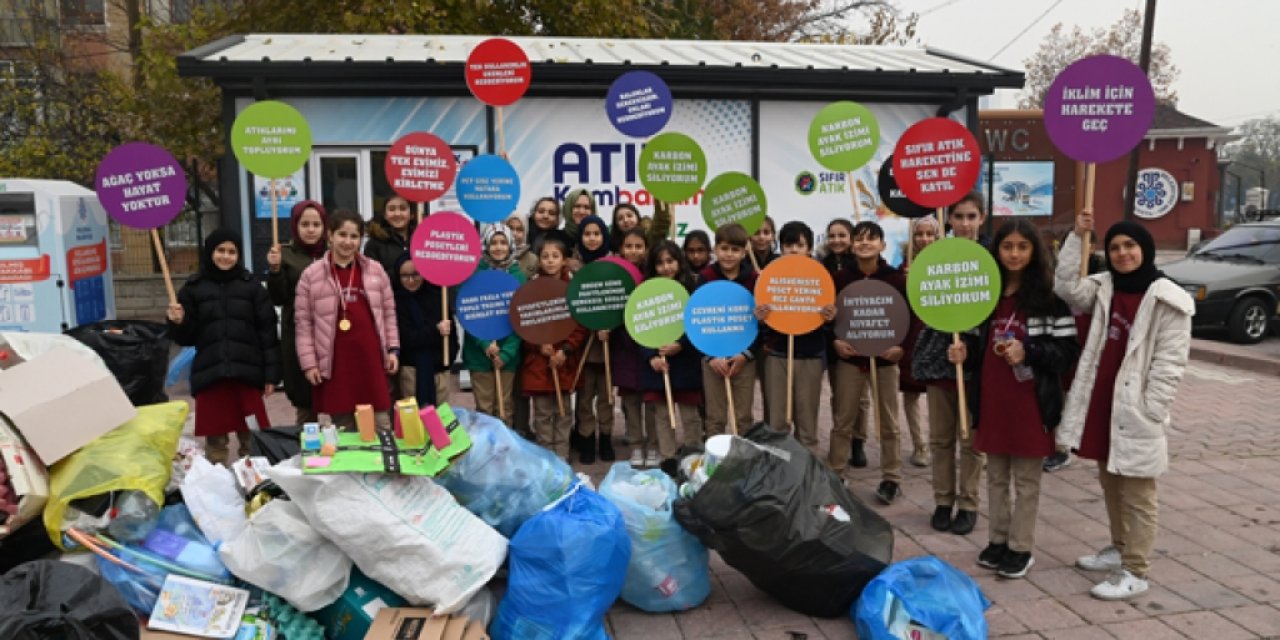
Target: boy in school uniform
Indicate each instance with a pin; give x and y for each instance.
(731, 251)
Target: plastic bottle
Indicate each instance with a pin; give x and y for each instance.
(135, 516)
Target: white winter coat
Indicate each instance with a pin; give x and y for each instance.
(1154, 361)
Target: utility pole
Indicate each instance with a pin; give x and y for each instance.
(1144, 61)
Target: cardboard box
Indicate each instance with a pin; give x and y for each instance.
(59, 403)
(401, 623)
(349, 617)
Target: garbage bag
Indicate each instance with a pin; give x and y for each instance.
(28, 345)
(926, 591)
(777, 514)
(136, 351)
(180, 367)
(175, 541)
(209, 491)
(137, 455)
(567, 567)
(669, 568)
(51, 599)
(405, 532)
(276, 444)
(504, 478)
(26, 543)
(280, 552)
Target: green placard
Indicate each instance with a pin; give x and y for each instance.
(844, 136)
(655, 312)
(598, 295)
(271, 139)
(734, 197)
(672, 167)
(954, 285)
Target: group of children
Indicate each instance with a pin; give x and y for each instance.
(365, 328)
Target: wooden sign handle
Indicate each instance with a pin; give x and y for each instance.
(444, 310)
(555, 379)
(608, 371)
(671, 405)
(275, 224)
(791, 373)
(733, 415)
(583, 362)
(751, 253)
(164, 266)
(497, 379)
(422, 209)
(502, 133)
(964, 402)
(875, 397)
(1090, 172)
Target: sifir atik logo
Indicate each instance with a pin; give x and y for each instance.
(609, 170)
(807, 182)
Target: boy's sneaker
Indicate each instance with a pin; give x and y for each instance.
(652, 460)
(1121, 585)
(1108, 559)
(964, 522)
(857, 456)
(887, 491)
(606, 448)
(637, 457)
(1059, 460)
(1015, 564)
(587, 454)
(993, 555)
(920, 456)
(941, 520)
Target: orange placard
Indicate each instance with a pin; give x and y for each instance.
(796, 288)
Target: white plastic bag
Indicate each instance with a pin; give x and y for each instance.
(405, 532)
(280, 552)
(217, 507)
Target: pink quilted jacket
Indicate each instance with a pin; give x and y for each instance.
(316, 311)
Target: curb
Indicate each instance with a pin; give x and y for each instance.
(1255, 363)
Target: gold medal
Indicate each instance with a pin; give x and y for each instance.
(344, 324)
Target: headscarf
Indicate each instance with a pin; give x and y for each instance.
(210, 270)
(518, 250)
(422, 359)
(588, 256)
(295, 215)
(497, 229)
(566, 210)
(1139, 279)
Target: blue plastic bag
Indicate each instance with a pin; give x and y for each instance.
(503, 479)
(925, 590)
(669, 568)
(567, 566)
(180, 367)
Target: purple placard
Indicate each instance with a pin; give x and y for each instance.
(141, 185)
(1099, 108)
(638, 104)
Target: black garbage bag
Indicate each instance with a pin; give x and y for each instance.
(136, 351)
(276, 444)
(51, 599)
(29, 542)
(777, 514)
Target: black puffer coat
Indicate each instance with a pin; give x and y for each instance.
(232, 325)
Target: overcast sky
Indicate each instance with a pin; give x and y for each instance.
(1224, 48)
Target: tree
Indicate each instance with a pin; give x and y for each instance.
(1124, 38)
(1255, 154)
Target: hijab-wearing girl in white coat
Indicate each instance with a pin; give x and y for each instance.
(1118, 408)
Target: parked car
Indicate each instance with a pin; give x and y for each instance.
(1235, 280)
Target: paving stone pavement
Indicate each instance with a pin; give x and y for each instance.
(1216, 566)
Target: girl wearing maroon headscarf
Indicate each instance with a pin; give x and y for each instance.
(284, 267)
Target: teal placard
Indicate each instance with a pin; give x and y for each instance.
(954, 285)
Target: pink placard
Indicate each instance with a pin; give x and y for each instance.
(445, 248)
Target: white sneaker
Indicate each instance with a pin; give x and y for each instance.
(1122, 585)
(1108, 559)
(652, 460)
(637, 457)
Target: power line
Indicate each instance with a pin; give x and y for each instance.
(1025, 30)
(935, 8)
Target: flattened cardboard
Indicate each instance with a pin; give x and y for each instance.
(59, 403)
(411, 623)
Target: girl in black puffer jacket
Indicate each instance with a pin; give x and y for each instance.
(227, 316)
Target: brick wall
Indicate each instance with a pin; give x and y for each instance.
(143, 297)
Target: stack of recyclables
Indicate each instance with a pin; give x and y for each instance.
(503, 479)
(669, 568)
(174, 541)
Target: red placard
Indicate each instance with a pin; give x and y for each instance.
(420, 167)
(936, 162)
(498, 72)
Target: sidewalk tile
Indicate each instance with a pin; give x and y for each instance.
(1208, 594)
(631, 623)
(765, 612)
(1149, 629)
(1097, 611)
(837, 628)
(1265, 559)
(1076, 633)
(805, 630)
(1259, 587)
(1158, 601)
(1062, 581)
(1043, 614)
(1002, 623)
(1207, 624)
(711, 620)
(1215, 565)
(1007, 591)
(1261, 619)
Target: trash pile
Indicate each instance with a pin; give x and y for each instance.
(502, 541)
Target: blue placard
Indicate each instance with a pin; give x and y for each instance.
(719, 319)
(488, 188)
(639, 104)
(484, 302)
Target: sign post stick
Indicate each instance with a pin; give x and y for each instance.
(497, 379)
(964, 402)
(942, 222)
(751, 253)
(791, 371)
(164, 265)
(275, 226)
(875, 397)
(608, 371)
(555, 379)
(1089, 178)
(853, 195)
(666, 382)
(583, 362)
(422, 206)
(444, 310)
(733, 415)
(502, 134)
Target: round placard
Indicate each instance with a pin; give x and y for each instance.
(498, 72)
(796, 288)
(638, 104)
(141, 185)
(720, 319)
(271, 139)
(872, 316)
(936, 162)
(891, 196)
(734, 197)
(954, 285)
(420, 167)
(1099, 108)
(488, 188)
(632, 270)
(655, 312)
(540, 311)
(484, 303)
(843, 136)
(598, 295)
(445, 248)
(672, 167)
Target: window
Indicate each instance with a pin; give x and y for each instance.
(87, 13)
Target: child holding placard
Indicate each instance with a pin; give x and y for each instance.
(540, 362)
(486, 359)
(625, 218)
(680, 359)
(423, 328)
(731, 251)
(228, 317)
(284, 268)
(837, 255)
(543, 219)
(697, 250)
(764, 243)
(924, 232)
(521, 252)
(637, 417)
(1016, 362)
(389, 233)
(852, 379)
(594, 404)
